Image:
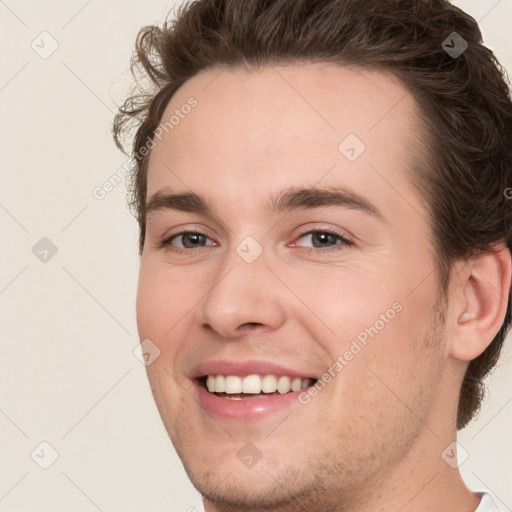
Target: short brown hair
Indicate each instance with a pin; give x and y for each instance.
(464, 99)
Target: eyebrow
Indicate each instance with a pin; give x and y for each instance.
(291, 199)
(316, 197)
(185, 202)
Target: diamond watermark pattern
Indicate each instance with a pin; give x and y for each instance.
(352, 147)
(249, 250)
(45, 45)
(249, 455)
(44, 250)
(146, 352)
(455, 455)
(454, 45)
(44, 455)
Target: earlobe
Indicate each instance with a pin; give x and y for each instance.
(483, 296)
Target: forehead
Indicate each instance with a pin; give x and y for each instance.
(294, 124)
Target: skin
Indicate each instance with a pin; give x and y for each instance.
(386, 418)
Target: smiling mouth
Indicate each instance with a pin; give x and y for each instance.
(234, 387)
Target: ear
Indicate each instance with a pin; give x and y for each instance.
(479, 298)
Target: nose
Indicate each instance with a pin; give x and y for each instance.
(244, 296)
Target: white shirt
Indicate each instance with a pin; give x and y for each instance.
(487, 504)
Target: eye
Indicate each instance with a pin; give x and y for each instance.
(323, 239)
(188, 240)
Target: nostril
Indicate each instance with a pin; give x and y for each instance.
(249, 325)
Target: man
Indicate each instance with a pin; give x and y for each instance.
(325, 241)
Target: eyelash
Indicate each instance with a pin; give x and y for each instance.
(167, 242)
(336, 247)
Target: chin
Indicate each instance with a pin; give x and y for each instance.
(248, 489)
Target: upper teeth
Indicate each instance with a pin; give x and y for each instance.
(254, 384)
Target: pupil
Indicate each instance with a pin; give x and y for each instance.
(320, 239)
(191, 240)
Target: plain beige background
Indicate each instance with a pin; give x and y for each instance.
(68, 375)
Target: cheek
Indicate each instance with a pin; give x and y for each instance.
(161, 317)
(371, 302)
(163, 299)
(161, 312)
(387, 386)
(151, 305)
(393, 374)
(346, 300)
(375, 325)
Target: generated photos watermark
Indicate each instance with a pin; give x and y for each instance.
(101, 191)
(356, 346)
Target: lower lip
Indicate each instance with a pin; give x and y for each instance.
(244, 410)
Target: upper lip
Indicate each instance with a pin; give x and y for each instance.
(246, 367)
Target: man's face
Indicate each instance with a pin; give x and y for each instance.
(272, 282)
